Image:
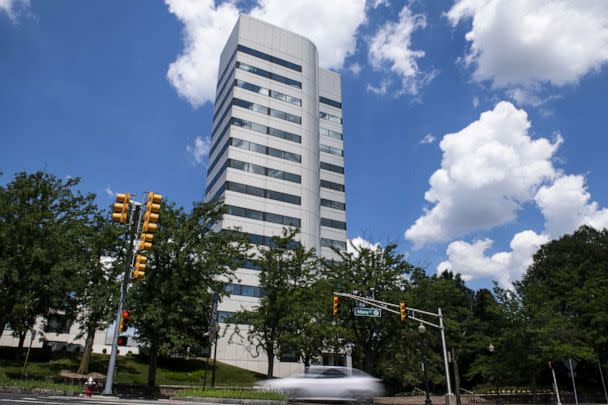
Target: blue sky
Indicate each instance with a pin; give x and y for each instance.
(118, 94)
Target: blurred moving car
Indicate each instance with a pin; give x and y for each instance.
(327, 382)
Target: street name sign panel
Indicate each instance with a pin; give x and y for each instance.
(370, 312)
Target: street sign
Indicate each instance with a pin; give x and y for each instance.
(370, 312)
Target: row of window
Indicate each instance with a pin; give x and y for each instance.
(245, 290)
(267, 92)
(330, 102)
(226, 111)
(266, 111)
(226, 69)
(263, 216)
(251, 265)
(331, 150)
(269, 58)
(264, 171)
(333, 204)
(266, 150)
(269, 75)
(331, 185)
(263, 240)
(333, 243)
(258, 192)
(238, 122)
(330, 134)
(332, 223)
(330, 117)
(227, 96)
(332, 168)
(216, 178)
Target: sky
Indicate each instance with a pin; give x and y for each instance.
(474, 130)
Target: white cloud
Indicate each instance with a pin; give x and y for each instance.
(527, 42)
(13, 8)
(357, 243)
(109, 192)
(355, 69)
(470, 259)
(380, 90)
(489, 169)
(475, 102)
(566, 205)
(378, 3)
(331, 25)
(199, 149)
(390, 48)
(428, 139)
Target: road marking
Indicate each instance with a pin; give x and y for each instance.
(30, 401)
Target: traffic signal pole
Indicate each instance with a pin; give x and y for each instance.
(414, 314)
(134, 222)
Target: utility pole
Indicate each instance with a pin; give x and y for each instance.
(135, 210)
(415, 314)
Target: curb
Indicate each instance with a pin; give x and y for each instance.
(46, 391)
(233, 401)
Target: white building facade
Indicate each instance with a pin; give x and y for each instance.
(276, 157)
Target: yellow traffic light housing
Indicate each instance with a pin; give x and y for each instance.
(124, 321)
(121, 208)
(140, 267)
(146, 241)
(403, 310)
(336, 306)
(151, 216)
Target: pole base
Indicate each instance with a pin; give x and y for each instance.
(450, 399)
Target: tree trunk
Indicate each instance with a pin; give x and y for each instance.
(3, 322)
(456, 376)
(306, 363)
(270, 355)
(19, 352)
(533, 387)
(152, 365)
(85, 360)
(370, 358)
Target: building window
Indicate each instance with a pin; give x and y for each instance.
(239, 122)
(244, 290)
(56, 323)
(262, 216)
(332, 168)
(330, 102)
(331, 150)
(333, 204)
(266, 111)
(331, 185)
(332, 223)
(264, 171)
(330, 117)
(269, 75)
(266, 92)
(333, 244)
(269, 58)
(330, 134)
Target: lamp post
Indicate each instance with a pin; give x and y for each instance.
(491, 350)
(421, 332)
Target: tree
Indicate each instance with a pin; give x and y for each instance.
(42, 248)
(287, 270)
(189, 262)
(370, 272)
(99, 289)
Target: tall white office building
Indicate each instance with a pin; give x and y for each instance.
(276, 156)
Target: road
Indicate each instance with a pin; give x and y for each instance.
(34, 399)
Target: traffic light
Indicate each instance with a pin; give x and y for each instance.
(403, 310)
(124, 321)
(121, 208)
(146, 241)
(122, 340)
(140, 267)
(336, 306)
(151, 216)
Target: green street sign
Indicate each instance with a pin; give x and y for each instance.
(371, 312)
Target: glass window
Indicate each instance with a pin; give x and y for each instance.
(255, 191)
(259, 109)
(257, 169)
(330, 102)
(258, 127)
(277, 174)
(274, 218)
(236, 164)
(254, 147)
(254, 214)
(293, 177)
(293, 157)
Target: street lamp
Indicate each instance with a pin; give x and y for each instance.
(491, 350)
(421, 332)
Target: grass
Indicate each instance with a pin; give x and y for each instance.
(132, 370)
(235, 394)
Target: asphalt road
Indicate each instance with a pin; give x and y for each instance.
(34, 399)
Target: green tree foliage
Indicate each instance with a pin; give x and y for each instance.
(43, 223)
(287, 271)
(99, 290)
(171, 305)
(375, 272)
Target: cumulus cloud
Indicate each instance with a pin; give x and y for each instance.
(470, 259)
(528, 42)
(428, 139)
(380, 90)
(13, 8)
(475, 102)
(390, 48)
(488, 170)
(566, 205)
(331, 25)
(109, 191)
(355, 69)
(357, 243)
(199, 149)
